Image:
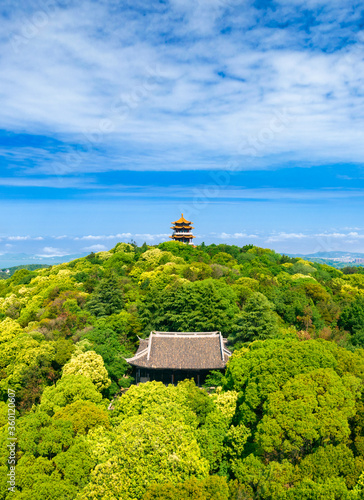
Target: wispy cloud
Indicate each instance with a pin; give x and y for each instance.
(103, 237)
(24, 238)
(235, 236)
(282, 241)
(59, 182)
(152, 237)
(95, 248)
(184, 84)
(52, 252)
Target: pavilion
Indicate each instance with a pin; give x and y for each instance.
(170, 357)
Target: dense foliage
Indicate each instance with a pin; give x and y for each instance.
(8, 272)
(286, 422)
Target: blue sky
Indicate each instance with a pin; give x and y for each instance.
(118, 116)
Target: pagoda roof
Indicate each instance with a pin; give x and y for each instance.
(182, 220)
(182, 351)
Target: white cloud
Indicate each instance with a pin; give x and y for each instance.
(52, 252)
(104, 237)
(24, 238)
(227, 236)
(18, 238)
(95, 248)
(212, 192)
(287, 236)
(152, 237)
(341, 235)
(59, 182)
(260, 93)
(323, 237)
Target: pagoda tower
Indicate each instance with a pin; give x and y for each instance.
(182, 231)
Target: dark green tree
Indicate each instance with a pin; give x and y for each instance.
(198, 306)
(107, 298)
(257, 321)
(352, 319)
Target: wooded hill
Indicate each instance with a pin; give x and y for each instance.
(8, 272)
(287, 418)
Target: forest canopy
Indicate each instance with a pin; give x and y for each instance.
(285, 421)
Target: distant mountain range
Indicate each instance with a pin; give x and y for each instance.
(20, 259)
(337, 259)
(330, 255)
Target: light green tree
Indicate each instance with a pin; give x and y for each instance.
(90, 365)
(147, 448)
(211, 488)
(310, 410)
(69, 389)
(84, 415)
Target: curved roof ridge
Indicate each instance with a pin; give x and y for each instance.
(137, 355)
(181, 220)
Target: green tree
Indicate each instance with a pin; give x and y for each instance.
(352, 319)
(191, 401)
(211, 488)
(84, 415)
(331, 462)
(90, 365)
(269, 481)
(264, 367)
(206, 305)
(146, 449)
(41, 436)
(38, 479)
(107, 298)
(108, 341)
(333, 489)
(313, 409)
(69, 389)
(257, 321)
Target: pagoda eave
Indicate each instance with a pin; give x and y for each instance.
(181, 237)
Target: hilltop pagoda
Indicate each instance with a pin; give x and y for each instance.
(182, 231)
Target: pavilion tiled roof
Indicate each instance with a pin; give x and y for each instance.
(182, 351)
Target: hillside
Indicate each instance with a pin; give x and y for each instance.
(10, 260)
(297, 332)
(8, 272)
